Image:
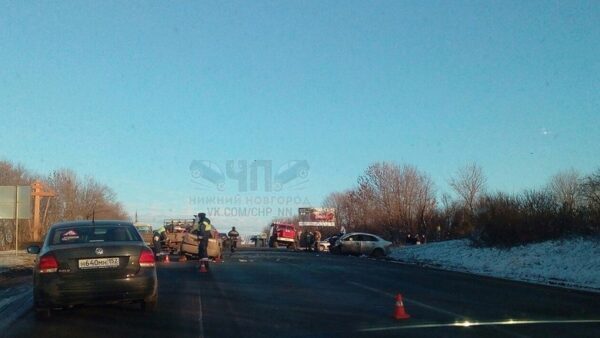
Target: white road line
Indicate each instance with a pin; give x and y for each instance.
(493, 323)
(409, 301)
(426, 306)
(200, 318)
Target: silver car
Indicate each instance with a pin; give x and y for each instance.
(324, 245)
(360, 243)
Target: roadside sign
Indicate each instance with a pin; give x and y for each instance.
(320, 217)
(18, 197)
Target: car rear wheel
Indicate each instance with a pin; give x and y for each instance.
(150, 304)
(377, 253)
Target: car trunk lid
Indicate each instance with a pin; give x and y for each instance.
(98, 260)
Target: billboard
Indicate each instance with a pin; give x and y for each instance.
(320, 217)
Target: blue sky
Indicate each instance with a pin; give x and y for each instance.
(131, 93)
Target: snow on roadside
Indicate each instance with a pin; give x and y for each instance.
(11, 261)
(572, 263)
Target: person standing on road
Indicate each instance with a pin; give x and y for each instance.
(297, 239)
(233, 235)
(159, 236)
(317, 240)
(204, 231)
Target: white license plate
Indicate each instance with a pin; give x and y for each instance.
(99, 263)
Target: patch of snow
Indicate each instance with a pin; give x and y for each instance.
(9, 260)
(573, 263)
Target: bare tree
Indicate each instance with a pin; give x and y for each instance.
(11, 174)
(64, 183)
(590, 189)
(75, 199)
(395, 199)
(342, 203)
(565, 188)
(81, 199)
(469, 184)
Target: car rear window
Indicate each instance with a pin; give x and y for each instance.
(92, 234)
(367, 238)
(144, 229)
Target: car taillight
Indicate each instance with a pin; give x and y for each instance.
(147, 258)
(48, 264)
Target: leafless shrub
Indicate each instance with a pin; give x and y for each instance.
(566, 188)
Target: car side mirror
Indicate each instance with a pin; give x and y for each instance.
(34, 249)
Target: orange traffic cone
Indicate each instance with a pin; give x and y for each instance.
(203, 268)
(167, 259)
(399, 313)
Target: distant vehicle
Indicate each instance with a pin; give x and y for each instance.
(259, 240)
(289, 172)
(146, 232)
(208, 171)
(176, 229)
(282, 234)
(324, 245)
(87, 262)
(360, 243)
(332, 240)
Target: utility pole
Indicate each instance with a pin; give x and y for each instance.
(38, 190)
(16, 219)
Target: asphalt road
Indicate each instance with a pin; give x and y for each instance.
(263, 293)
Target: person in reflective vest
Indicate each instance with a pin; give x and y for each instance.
(204, 233)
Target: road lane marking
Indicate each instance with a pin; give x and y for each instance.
(410, 301)
(430, 307)
(466, 324)
(200, 318)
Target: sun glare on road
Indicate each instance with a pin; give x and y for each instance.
(467, 323)
(464, 324)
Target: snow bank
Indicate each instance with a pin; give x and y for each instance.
(573, 263)
(10, 261)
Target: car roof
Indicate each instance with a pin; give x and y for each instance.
(361, 233)
(91, 223)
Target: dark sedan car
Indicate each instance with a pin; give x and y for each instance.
(87, 262)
